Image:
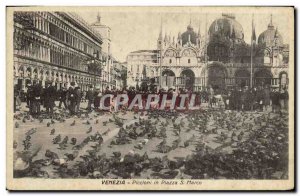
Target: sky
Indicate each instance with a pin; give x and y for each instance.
(138, 29)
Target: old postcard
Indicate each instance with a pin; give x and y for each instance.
(150, 98)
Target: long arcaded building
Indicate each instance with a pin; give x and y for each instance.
(56, 47)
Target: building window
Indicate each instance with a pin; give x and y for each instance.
(170, 61)
(189, 60)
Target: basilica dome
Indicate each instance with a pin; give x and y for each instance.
(226, 26)
(267, 38)
(189, 35)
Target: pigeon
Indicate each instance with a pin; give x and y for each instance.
(107, 131)
(24, 120)
(176, 143)
(27, 144)
(97, 121)
(87, 122)
(71, 157)
(48, 124)
(139, 146)
(65, 140)
(62, 145)
(15, 144)
(73, 123)
(30, 132)
(57, 139)
(90, 130)
(52, 121)
(51, 155)
(186, 143)
(52, 132)
(117, 154)
(73, 141)
(17, 125)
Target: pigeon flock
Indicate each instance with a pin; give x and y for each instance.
(155, 144)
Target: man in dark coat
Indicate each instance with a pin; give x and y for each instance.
(266, 97)
(275, 97)
(36, 99)
(49, 94)
(29, 97)
(78, 98)
(72, 98)
(63, 97)
(90, 97)
(107, 100)
(239, 99)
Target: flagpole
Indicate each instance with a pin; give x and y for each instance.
(205, 45)
(160, 55)
(251, 61)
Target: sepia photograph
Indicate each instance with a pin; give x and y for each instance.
(150, 98)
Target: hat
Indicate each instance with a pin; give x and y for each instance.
(72, 83)
(91, 86)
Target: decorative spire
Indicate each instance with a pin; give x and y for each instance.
(179, 35)
(233, 33)
(270, 26)
(166, 37)
(189, 27)
(276, 33)
(160, 33)
(199, 33)
(98, 18)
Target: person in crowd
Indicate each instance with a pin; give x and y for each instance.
(78, 98)
(243, 99)
(286, 98)
(260, 98)
(90, 98)
(83, 96)
(97, 97)
(30, 97)
(198, 98)
(238, 99)
(255, 100)
(107, 101)
(266, 98)
(49, 95)
(283, 98)
(226, 98)
(36, 100)
(72, 98)
(211, 96)
(63, 97)
(17, 100)
(275, 97)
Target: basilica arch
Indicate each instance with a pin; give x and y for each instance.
(242, 77)
(216, 76)
(168, 78)
(188, 78)
(263, 77)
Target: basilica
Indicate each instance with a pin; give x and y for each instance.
(221, 58)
